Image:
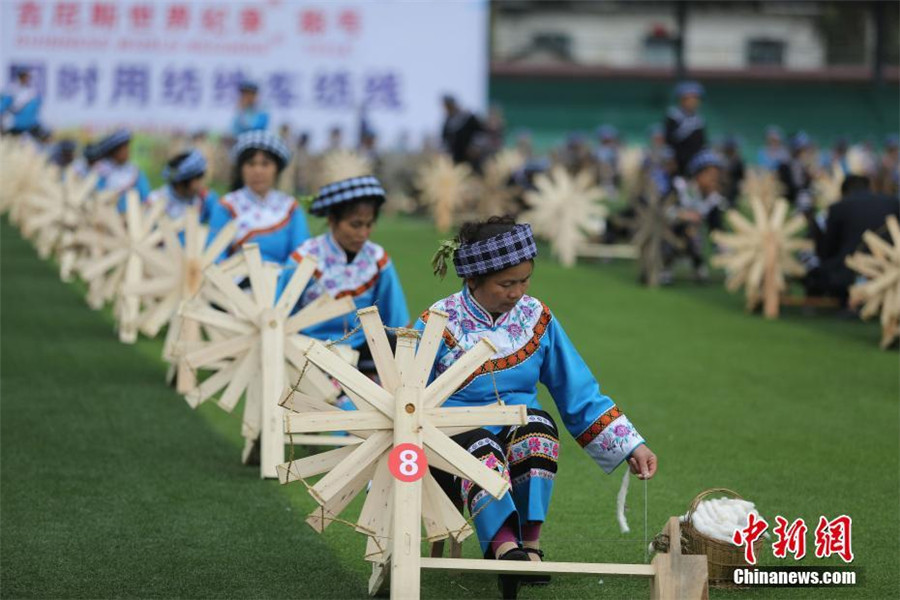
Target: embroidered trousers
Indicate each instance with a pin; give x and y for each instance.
(526, 456)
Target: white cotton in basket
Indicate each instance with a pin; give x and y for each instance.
(718, 518)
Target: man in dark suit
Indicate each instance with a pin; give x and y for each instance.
(460, 129)
(858, 210)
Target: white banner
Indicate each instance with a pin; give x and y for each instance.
(174, 64)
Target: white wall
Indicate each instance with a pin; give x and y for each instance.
(714, 39)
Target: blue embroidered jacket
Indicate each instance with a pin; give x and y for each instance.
(276, 223)
(532, 347)
(370, 279)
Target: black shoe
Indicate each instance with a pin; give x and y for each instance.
(509, 583)
(535, 579)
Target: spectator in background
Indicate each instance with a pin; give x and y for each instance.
(63, 153)
(685, 128)
(607, 157)
(116, 170)
(887, 178)
(858, 210)
(525, 144)
(836, 160)
(459, 131)
(20, 104)
(249, 117)
(794, 172)
(335, 139)
(302, 161)
(705, 197)
(84, 164)
(284, 132)
(773, 153)
(732, 170)
(575, 156)
(495, 129)
(657, 147)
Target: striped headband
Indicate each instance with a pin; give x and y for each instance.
(347, 190)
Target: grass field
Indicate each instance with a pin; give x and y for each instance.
(113, 487)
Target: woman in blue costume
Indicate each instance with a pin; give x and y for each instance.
(495, 261)
(20, 104)
(115, 169)
(264, 215)
(250, 116)
(184, 186)
(349, 263)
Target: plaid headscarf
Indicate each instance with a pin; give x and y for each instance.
(347, 190)
(262, 140)
(193, 165)
(495, 253)
(112, 141)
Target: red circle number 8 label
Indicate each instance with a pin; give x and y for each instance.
(407, 462)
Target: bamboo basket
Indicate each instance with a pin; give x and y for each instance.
(722, 557)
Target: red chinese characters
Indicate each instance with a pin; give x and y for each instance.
(791, 538)
(833, 537)
(312, 22)
(756, 526)
(349, 21)
(250, 20)
(103, 14)
(213, 20)
(29, 15)
(65, 14)
(141, 16)
(178, 17)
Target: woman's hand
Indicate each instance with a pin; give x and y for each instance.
(642, 462)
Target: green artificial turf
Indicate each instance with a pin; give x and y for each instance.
(113, 487)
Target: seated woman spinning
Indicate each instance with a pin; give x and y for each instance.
(495, 259)
(349, 263)
(264, 215)
(184, 186)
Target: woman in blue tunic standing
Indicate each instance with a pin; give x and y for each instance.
(495, 261)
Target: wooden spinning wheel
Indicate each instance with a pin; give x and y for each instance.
(565, 210)
(652, 226)
(401, 411)
(162, 292)
(445, 187)
(260, 349)
(123, 252)
(760, 253)
(881, 267)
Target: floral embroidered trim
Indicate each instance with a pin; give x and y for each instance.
(510, 360)
(255, 232)
(533, 445)
(598, 426)
(359, 290)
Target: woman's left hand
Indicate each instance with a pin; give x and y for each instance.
(642, 462)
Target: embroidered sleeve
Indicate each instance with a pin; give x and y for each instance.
(591, 417)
